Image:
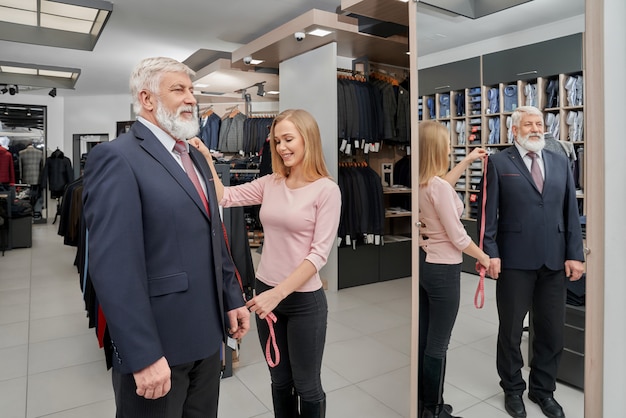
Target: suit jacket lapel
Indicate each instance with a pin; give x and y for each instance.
(518, 161)
(548, 165)
(203, 167)
(154, 147)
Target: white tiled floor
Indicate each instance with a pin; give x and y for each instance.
(51, 366)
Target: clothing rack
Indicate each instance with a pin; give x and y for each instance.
(353, 163)
(351, 74)
(262, 115)
(347, 70)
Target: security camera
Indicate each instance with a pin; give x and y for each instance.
(299, 36)
(247, 60)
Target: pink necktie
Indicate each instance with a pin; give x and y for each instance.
(535, 171)
(181, 148)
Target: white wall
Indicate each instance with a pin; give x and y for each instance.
(614, 204)
(94, 115)
(309, 81)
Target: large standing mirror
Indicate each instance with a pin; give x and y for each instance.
(491, 45)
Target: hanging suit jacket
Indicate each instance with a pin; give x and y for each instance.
(158, 262)
(7, 171)
(31, 163)
(523, 227)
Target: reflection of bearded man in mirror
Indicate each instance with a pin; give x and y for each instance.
(533, 236)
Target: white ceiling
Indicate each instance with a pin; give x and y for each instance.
(178, 29)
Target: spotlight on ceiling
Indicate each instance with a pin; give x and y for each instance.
(13, 90)
(28, 112)
(260, 89)
(53, 92)
(4, 89)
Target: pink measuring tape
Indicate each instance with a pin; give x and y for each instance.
(479, 297)
(270, 318)
(271, 342)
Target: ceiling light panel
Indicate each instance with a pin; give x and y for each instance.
(60, 74)
(18, 70)
(67, 17)
(74, 24)
(25, 74)
(18, 16)
(320, 32)
(20, 4)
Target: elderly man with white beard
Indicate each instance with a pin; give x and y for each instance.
(532, 234)
(158, 259)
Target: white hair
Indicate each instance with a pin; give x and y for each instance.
(516, 117)
(147, 76)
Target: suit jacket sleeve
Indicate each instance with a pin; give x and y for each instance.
(113, 211)
(232, 290)
(490, 246)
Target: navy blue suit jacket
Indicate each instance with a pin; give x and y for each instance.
(159, 264)
(524, 228)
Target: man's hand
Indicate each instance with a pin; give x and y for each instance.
(154, 381)
(574, 269)
(494, 268)
(239, 322)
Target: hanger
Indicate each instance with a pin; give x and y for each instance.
(207, 112)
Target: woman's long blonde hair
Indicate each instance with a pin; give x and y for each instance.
(313, 164)
(434, 143)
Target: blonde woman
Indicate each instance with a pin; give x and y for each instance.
(300, 211)
(442, 240)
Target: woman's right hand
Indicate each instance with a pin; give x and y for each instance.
(199, 145)
(477, 153)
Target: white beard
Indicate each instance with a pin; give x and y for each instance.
(534, 145)
(176, 126)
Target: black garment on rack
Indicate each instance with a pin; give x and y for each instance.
(240, 249)
(57, 173)
(71, 213)
(255, 131)
(402, 171)
(362, 210)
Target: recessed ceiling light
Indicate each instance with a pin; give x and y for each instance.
(320, 32)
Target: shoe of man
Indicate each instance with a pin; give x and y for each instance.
(514, 405)
(549, 406)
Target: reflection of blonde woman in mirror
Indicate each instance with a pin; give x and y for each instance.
(442, 241)
(300, 210)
